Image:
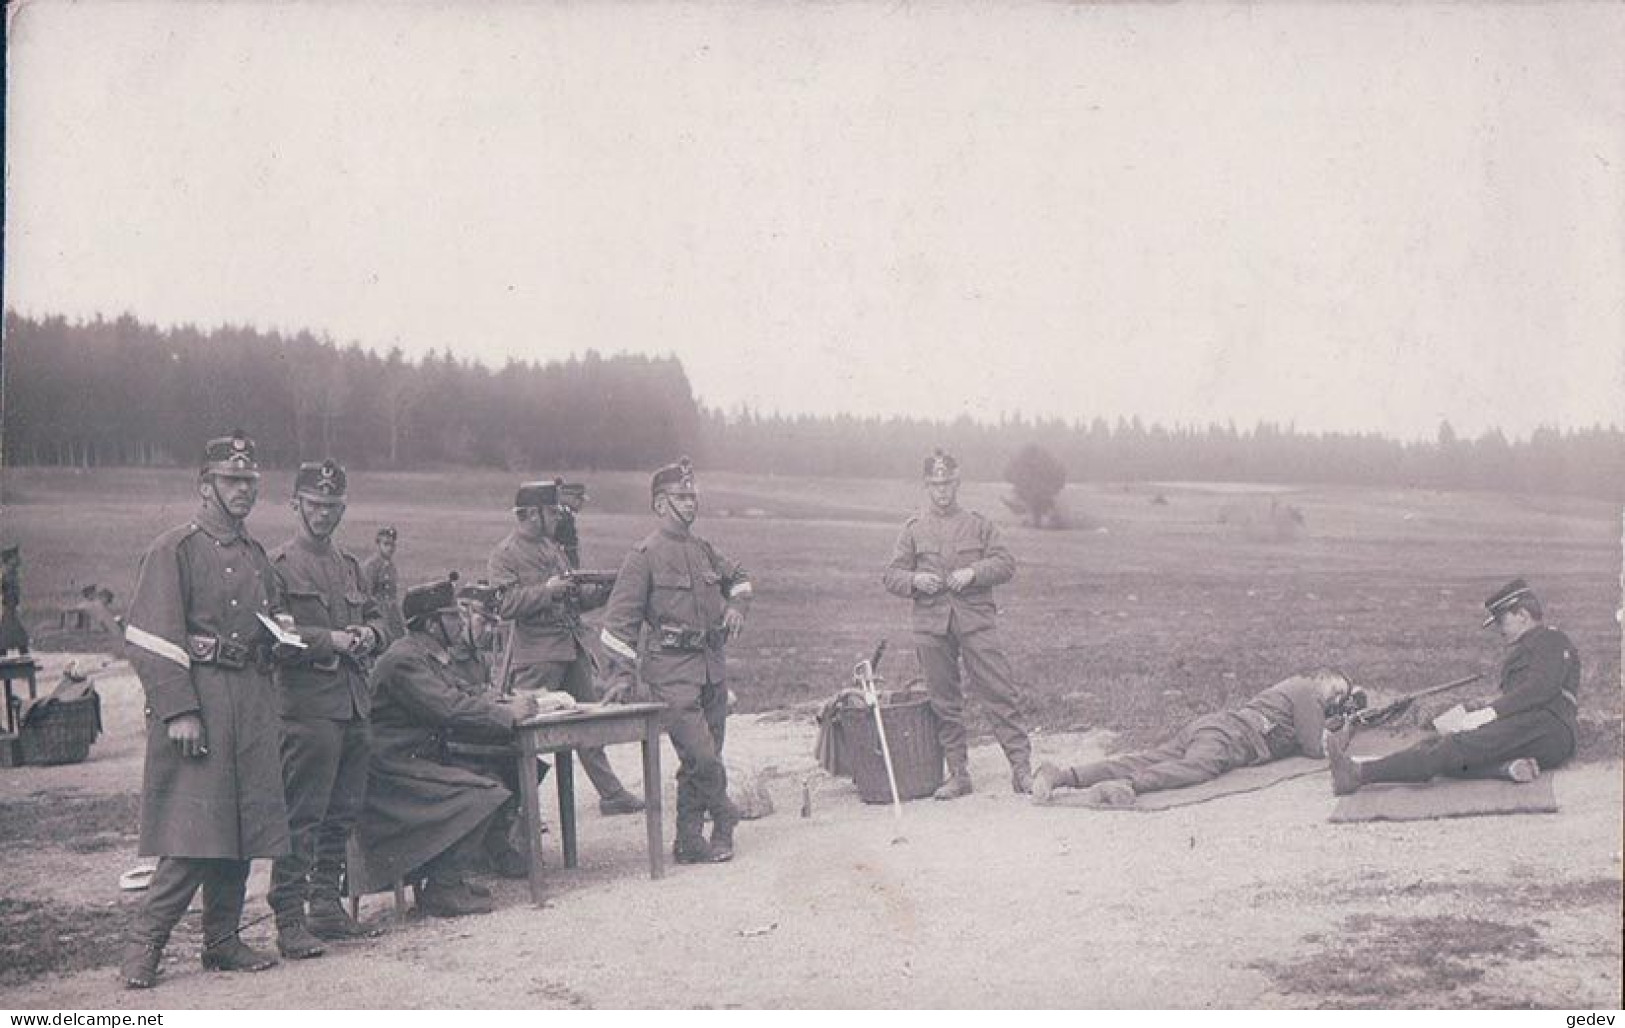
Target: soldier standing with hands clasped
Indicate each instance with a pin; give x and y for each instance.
(676, 604)
(947, 561)
(325, 708)
(211, 795)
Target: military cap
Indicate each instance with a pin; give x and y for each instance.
(941, 467)
(231, 456)
(571, 494)
(10, 552)
(536, 494)
(387, 532)
(324, 481)
(673, 479)
(430, 598)
(1508, 597)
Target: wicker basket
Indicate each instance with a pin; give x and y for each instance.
(911, 734)
(61, 732)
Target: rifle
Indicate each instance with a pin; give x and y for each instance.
(1355, 712)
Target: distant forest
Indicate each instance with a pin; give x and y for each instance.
(120, 392)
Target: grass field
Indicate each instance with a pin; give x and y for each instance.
(1157, 611)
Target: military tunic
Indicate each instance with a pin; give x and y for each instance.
(325, 703)
(13, 635)
(664, 620)
(950, 626)
(549, 647)
(418, 807)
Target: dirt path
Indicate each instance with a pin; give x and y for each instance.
(1250, 901)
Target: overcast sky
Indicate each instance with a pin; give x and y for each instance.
(1347, 217)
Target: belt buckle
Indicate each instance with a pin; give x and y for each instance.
(203, 649)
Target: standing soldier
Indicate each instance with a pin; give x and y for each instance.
(13, 636)
(679, 602)
(382, 581)
(572, 498)
(211, 797)
(325, 706)
(947, 561)
(548, 647)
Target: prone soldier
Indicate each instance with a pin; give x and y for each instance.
(211, 797)
(325, 707)
(947, 561)
(676, 604)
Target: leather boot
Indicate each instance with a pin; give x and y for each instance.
(957, 785)
(693, 849)
(139, 967)
(722, 839)
(329, 920)
(1021, 778)
(452, 899)
(233, 954)
(294, 941)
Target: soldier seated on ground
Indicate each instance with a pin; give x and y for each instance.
(424, 818)
(1285, 720)
(1532, 724)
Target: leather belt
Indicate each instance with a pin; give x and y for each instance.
(226, 653)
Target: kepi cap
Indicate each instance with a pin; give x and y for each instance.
(536, 494)
(231, 456)
(1506, 598)
(387, 532)
(430, 598)
(941, 467)
(673, 479)
(324, 481)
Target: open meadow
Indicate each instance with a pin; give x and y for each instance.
(1167, 600)
(1146, 613)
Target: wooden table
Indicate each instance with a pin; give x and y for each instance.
(568, 730)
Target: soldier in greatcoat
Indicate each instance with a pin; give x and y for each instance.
(211, 797)
(425, 817)
(325, 706)
(549, 648)
(947, 561)
(676, 604)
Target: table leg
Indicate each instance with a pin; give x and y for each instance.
(567, 804)
(651, 796)
(530, 804)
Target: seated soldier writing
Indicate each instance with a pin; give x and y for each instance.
(425, 817)
(1285, 720)
(1532, 724)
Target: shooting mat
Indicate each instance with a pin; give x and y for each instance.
(1447, 797)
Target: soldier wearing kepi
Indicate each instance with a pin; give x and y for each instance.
(947, 561)
(1532, 724)
(678, 602)
(548, 646)
(325, 706)
(378, 574)
(211, 795)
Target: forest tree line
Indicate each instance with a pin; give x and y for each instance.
(121, 392)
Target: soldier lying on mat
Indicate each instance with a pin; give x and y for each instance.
(1285, 720)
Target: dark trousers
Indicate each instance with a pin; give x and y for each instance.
(575, 678)
(176, 881)
(324, 778)
(1478, 753)
(991, 683)
(696, 720)
(1189, 758)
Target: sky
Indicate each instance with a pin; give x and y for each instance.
(1347, 217)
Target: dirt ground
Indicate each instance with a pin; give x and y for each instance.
(1250, 901)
